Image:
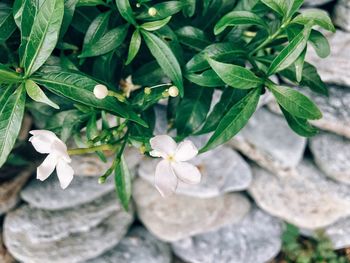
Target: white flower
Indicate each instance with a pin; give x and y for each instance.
(152, 11)
(173, 91)
(100, 91)
(47, 142)
(173, 167)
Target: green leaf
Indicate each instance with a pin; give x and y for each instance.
(207, 78)
(193, 37)
(8, 76)
(235, 76)
(123, 183)
(69, 9)
(234, 120)
(291, 52)
(309, 79)
(80, 88)
(320, 44)
(165, 58)
(155, 25)
(36, 94)
(295, 103)
(299, 65)
(189, 7)
(29, 9)
(235, 18)
(17, 11)
(12, 105)
(296, 4)
(125, 11)
(192, 110)
(43, 35)
(223, 52)
(96, 30)
(299, 126)
(228, 98)
(7, 23)
(134, 46)
(281, 7)
(316, 17)
(108, 42)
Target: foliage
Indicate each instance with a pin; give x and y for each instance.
(54, 52)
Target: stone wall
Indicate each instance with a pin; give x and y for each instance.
(264, 177)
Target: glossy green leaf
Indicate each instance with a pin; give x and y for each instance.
(223, 52)
(316, 17)
(36, 94)
(8, 76)
(17, 10)
(207, 78)
(79, 88)
(7, 23)
(108, 42)
(193, 109)
(97, 29)
(295, 103)
(91, 3)
(299, 65)
(134, 46)
(291, 52)
(125, 11)
(155, 25)
(189, 7)
(123, 182)
(235, 76)
(165, 58)
(12, 103)
(29, 9)
(193, 37)
(234, 120)
(281, 7)
(300, 126)
(295, 6)
(69, 9)
(235, 18)
(320, 44)
(43, 35)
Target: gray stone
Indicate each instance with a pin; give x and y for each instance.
(179, 216)
(9, 190)
(339, 233)
(139, 246)
(342, 14)
(43, 226)
(257, 239)
(335, 110)
(91, 165)
(305, 197)
(268, 140)
(5, 256)
(77, 247)
(49, 195)
(332, 155)
(316, 2)
(223, 170)
(334, 69)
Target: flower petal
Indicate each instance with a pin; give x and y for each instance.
(186, 172)
(65, 173)
(47, 167)
(58, 147)
(163, 144)
(165, 179)
(185, 151)
(155, 153)
(42, 140)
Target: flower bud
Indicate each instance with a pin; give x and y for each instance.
(100, 91)
(147, 91)
(152, 11)
(102, 179)
(173, 91)
(138, 5)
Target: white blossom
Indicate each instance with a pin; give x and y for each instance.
(173, 91)
(174, 165)
(100, 91)
(47, 142)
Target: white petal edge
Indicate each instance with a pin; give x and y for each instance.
(186, 172)
(165, 180)
(186, 151)
(47, 167)
(42, 140)
(64, 173)
(163, 144)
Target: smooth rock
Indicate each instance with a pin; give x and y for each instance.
(335, 68)
(78, 247)
(316, 2)
(339, 233)
(268, 140)
(335, 110)
(257, 239)
(43, 226)
(305, 197)
(91, 165)
(49, 195)
(223, 170)
(179, 216)
(332, 155)
(342, 14)
(9, 190)
(5, 256)
(139, 246)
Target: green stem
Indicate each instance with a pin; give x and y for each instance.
(103, 147)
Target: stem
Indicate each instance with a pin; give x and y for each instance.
(103, 147)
